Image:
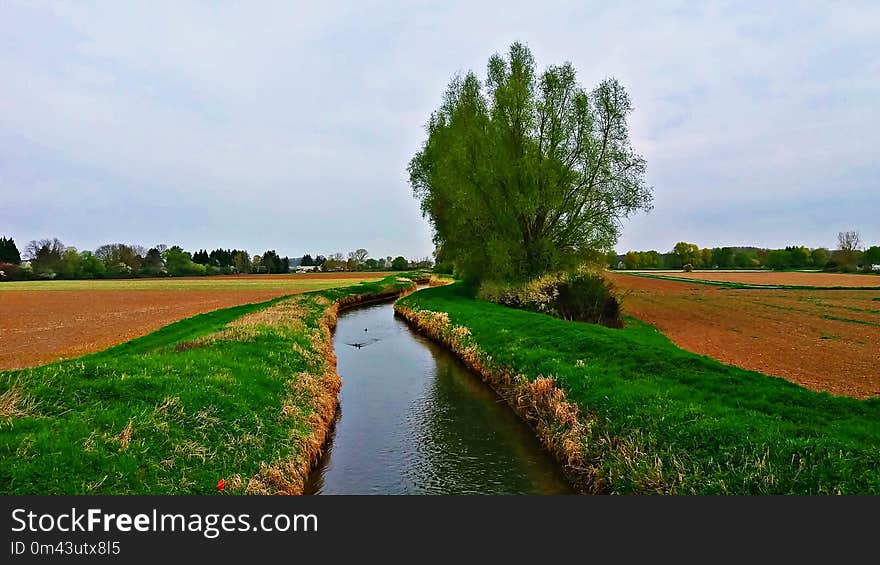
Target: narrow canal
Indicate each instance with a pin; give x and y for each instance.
(414, 420)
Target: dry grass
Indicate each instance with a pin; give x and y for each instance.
(439, 281)
(124, 437)
(13, 403)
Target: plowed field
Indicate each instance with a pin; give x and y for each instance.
(47, 321)
(826, 340)
(773, 278)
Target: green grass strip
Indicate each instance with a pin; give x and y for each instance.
(851, 321)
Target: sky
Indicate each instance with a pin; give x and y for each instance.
(289, 125)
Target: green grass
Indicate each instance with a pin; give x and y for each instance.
(196, 412)
(851, 321)
(292, 283)
(713, 428)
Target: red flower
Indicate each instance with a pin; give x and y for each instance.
(220, 484)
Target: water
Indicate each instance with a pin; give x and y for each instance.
(414, 420)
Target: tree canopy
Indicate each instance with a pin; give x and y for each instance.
(527, 173)
(9, 251)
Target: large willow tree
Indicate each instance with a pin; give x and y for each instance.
(527, 174)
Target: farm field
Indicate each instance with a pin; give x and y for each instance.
(45, 321)
(825, 340)
(772, 278)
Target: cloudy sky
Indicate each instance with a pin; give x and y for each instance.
(289, 125)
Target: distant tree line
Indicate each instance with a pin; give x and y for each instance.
(847, 257)
(360, 260)
(51, 259)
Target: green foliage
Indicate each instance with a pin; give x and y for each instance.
(800, 256)
(275, 264)
(578, 296)
(153, 263)
(200, 257)
(671, 421)
(444, 268)
(586, 297)
(179, 263)
(526, 173)
(722, 257)
(70, 266)
(90, 266)
(792, 257)
(121, 260)
(611, 260)
(9, 251)
(779, 259)
(45, 256)
(643, 260)
(399, 263)
(872, 255)
(687, 254)
(819, 257)
(241, 261)
(706, 259)
(746, 261)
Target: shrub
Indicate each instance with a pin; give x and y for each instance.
(688, 268)
(444, 268)
(8, 271)
(586, 297)
(581, 297)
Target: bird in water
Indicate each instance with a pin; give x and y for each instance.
(365, 329)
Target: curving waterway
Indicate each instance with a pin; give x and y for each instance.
(414, 420)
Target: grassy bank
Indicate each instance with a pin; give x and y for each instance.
(629, 412)
(245, 394)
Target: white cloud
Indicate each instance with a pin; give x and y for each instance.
(199, 113)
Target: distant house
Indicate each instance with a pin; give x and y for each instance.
(305, 268)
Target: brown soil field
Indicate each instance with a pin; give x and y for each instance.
(360, 276)
(45, 321)
(824, 340)
(774, 278)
